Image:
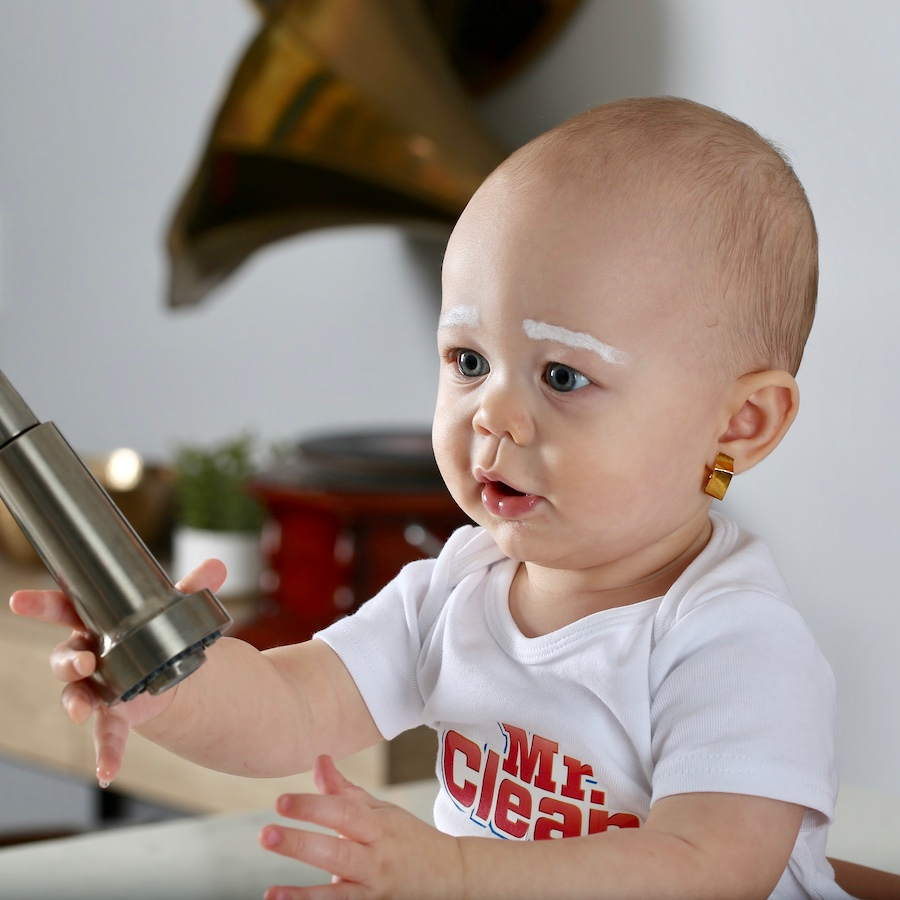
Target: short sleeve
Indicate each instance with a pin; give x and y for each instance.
(742, 701)
(380, 646)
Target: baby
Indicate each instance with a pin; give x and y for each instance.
(604, 658)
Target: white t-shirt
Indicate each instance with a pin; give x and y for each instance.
(717, 686)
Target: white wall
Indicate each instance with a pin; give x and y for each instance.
(103, 106)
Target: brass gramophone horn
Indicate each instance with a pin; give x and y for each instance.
(340, 112)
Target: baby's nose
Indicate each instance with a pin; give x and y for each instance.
(503, 412)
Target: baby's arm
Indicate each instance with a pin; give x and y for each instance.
(265, 714)
(244, 712)
(692, 846)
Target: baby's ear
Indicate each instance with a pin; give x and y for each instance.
(763, 407)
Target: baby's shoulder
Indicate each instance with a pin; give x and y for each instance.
(735, 581)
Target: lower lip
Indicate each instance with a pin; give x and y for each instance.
(507, 506)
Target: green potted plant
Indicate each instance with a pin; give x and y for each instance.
(215, 516)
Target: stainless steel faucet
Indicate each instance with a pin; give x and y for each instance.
(149, 635)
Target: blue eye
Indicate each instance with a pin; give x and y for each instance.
(471, 364)
(565, 379)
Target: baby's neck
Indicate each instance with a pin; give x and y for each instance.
(542, 600)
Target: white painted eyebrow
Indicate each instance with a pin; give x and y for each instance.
(459, 315)
(580, 340)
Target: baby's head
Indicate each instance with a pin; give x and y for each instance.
(710, 183)
(624, 299)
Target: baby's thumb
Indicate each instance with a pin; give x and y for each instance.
(328, 779)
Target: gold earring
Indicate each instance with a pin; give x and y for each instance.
(720, 476)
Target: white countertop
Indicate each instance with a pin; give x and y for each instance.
(199, 858)
(219, 856)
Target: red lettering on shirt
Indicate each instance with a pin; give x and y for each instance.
(454, 742)
(523, 758)
(529, 791)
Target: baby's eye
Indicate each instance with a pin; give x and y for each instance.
(472, 364)
(564, 378)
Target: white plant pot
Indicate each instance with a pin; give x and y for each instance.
(240, 551)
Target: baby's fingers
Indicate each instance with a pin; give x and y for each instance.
(209, 574)
(73, 659)
(347, 861)
(79, 701)
(110, 735)
(46, 606)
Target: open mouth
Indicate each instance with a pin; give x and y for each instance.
(505, 489)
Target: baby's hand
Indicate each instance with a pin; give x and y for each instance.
(74, 661)
(380, 850)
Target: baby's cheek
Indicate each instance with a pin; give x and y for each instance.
(447, 442)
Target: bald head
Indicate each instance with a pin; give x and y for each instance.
(733, 199)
